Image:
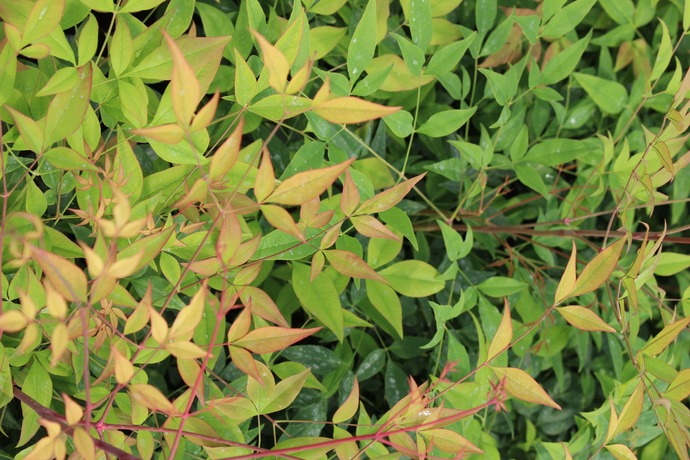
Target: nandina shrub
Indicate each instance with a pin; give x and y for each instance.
(342, 229)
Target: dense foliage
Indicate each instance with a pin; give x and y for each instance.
(342, 228)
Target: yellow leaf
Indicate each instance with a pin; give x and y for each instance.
(57, 307)
(151, 397)
(613, 421)
(388, 198)
(679, 388)
(73, 411)
(140, 316)
(621, 452)
(521, 385)
(450, 441)
(13, 321)
(159, 328)
(124, 266)
(169, 134)
(584, 319)
(504, 334)
(299, 79)
(245, 81)
(307, 185)
(124, 370)
(351, 110)
(68, 279)
(58, 342)
(347, 410)
(598, 270)
(189, 317)
(275, 62)
(265, 178)
(185, 350)
(350, 198)
(567, 283)
(185, 91)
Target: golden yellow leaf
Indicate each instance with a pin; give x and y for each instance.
(598, 270)
(58, 342)
(189, 317)
(124, 370)
(567, 283)
(185, 350)
(151, 397)
(351, 110)
(226, 155)
(621, 452)
(73, 411)
(584, 319)
(275, 62)
(13, 321)
(84, 443)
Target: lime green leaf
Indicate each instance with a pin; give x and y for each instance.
(499, 286)
(671, 263)
(67, 109)
(552, 152)
(412, 54)
(664, 338)
(445, 59)
(456, 247)
(39, 386)
(563, 63)
(413, 278)
(529, 176)
(362, 46)
(567, 18)
(43, 18)
(447, 122)
(387, 303)
(285, 392)
(609, 96)
(400, 123)
(599, 269)
(663, 58)
(31, 131)
(679, 388)
(87, 41)
(319, 298)
(132, 6)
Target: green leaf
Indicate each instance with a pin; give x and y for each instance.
(420, 23)
(610, 96)
(567, 18)
(499, 286)
(563, 64)
(87, 41)
(362, 46)
(120, 48)
(445, 59)
(485, 15)
(529, 176)
(39, 386)
(663, 57)
(456, 247)
(386, 302)
(671, 263)
(413, 278)
(400, 123)
(553, 152)
(664, 338)
(319, 298)
(133, 6)
(371, 365)
(67, 109)
(447, 122)
(412, 54)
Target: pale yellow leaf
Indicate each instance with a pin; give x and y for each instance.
(584, 319)
(351, 109)
(307, 185)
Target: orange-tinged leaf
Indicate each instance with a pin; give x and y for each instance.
(567, 283)
(229, 238)
(630, 413)
(664, 338)
(504, 334)
(350, 264)
(584, 319)
(568, 456)
(151, 397)
(347, 410)
(598, 270)
(282, 220)
(372, 227)
(240, 326)
(68, 279)
(186, 90)
(244, 362)
(265, 178)
(450, 441)
(388, 198)
(205, 115)
(351, 110)
(189, 317)
(621, 452)
(349, 199)
(521, 385)
(226, 155)
(270, 339)
(262, 305)
(275, 62)
(307, 185)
